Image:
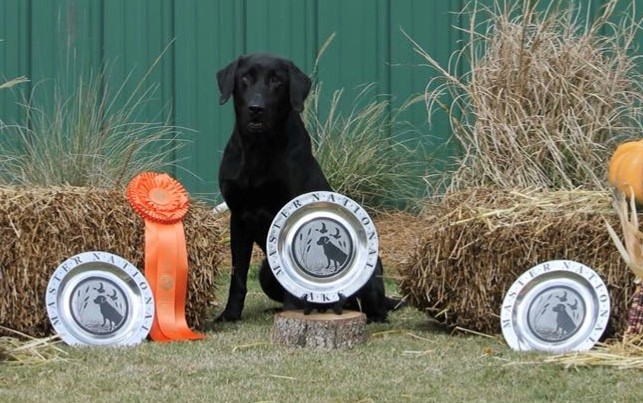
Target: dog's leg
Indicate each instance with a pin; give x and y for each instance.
(292, 302)
(269, 283)
(308, 307)
(373, 297)
(241, 248)
(338, 307)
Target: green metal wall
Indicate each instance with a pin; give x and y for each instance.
(47, 40)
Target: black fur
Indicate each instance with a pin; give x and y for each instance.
(268, 162)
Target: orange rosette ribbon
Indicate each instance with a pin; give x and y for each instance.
(163, 202)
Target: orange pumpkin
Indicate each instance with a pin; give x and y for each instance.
(625, 169)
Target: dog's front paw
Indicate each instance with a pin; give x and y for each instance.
(380, 317)
(227, 316)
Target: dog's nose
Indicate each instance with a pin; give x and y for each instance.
(255, 109)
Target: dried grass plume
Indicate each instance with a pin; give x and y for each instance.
(547, 96)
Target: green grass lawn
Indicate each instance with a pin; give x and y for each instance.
(407, 359)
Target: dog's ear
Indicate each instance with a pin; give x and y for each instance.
(225, 79)
(299, 87)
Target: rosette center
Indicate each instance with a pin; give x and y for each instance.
(160, 196)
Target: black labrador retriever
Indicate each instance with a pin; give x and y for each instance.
(266, 163)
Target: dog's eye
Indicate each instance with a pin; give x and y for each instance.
(274, 80)
(245, 80)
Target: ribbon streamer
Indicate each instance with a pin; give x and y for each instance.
(162, 202)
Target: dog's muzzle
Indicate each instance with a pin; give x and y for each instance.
(256, 126)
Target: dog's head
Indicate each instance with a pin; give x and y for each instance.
(100, 300)
(265, 90)
(560, 308)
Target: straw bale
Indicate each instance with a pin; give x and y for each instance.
(398, 233)
(475, 243)
(41, 227)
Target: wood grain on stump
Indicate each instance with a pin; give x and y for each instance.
(319, 330)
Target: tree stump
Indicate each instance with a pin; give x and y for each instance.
(319, 330)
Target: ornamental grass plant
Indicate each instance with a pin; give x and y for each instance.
(93, 137)
(547, 94)
(360, 156)
(365, 149)
(13, 82)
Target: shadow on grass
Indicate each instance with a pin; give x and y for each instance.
(260, 310)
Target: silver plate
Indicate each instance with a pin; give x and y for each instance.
(321, 245)
(557, 306)
(97, 298)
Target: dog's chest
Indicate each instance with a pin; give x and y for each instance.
(256, 204)
(258, 179)
(253, 195)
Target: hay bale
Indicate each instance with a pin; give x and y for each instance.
(41, 227)
(398, 233)
(475, 243)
